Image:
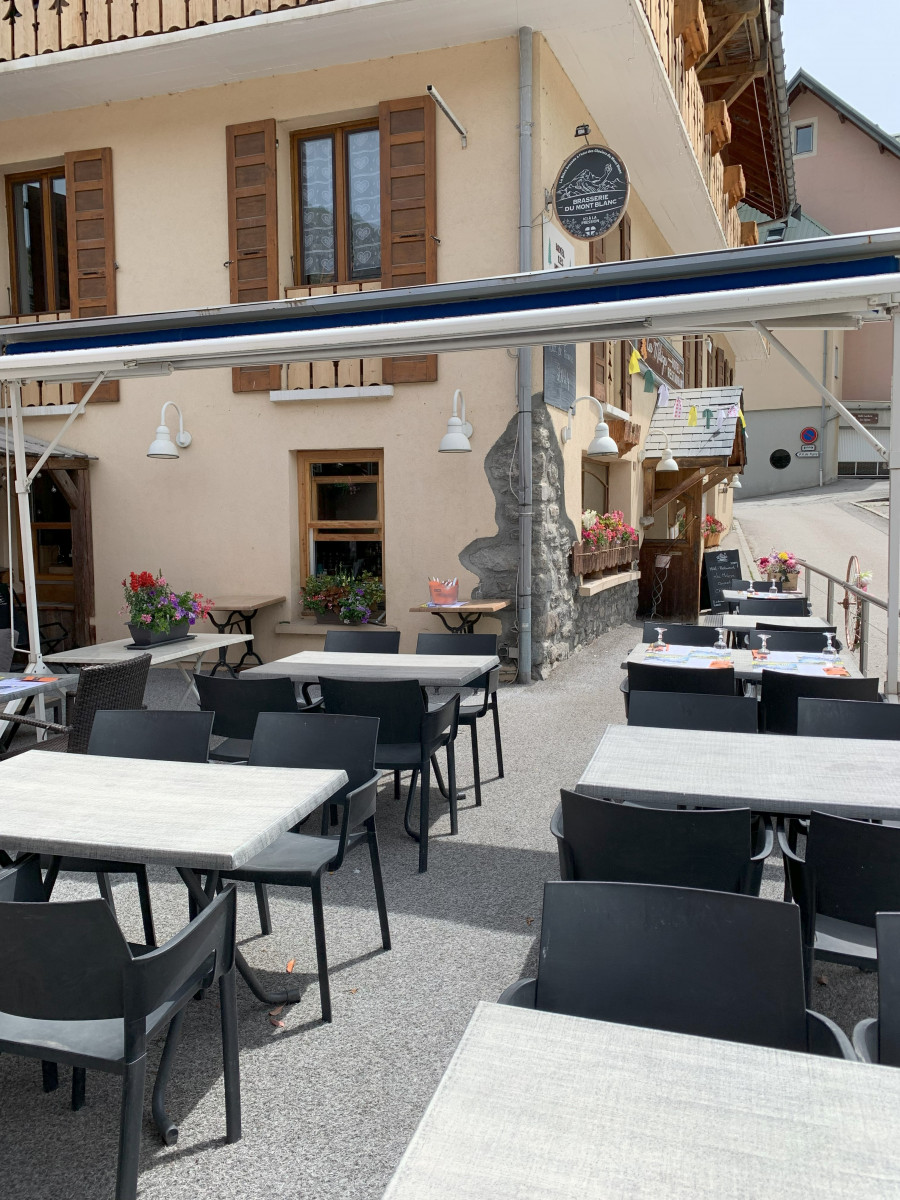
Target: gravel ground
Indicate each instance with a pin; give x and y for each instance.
(328, 1110)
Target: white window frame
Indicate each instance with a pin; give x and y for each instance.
(795, 125)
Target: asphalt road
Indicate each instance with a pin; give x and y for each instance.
(826, 526)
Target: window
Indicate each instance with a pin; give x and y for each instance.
(39, 245)
(337, 190)
(594, 485)
(780, 459)
(804, 137)
(341, 512)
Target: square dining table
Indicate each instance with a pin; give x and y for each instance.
(195, 817)
(431, 670)
(742, 623)
(848, 777)
(746, 663)
(541, 1104)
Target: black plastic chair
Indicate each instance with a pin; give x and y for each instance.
(297, 859)
(780, 692)
(877, 1040)
(72, 992)
(681, 635)
(685, 710)
(800, 641)
(760, 607)
(357, 641)
(409, 737)
(848, 719)
(719, 849)
(851, 872)
(766, 626)
(237, 703)
(136, 733)
(760, 585)
(656, 677)
(706, 963)
(477, 698)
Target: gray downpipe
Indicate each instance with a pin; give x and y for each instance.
(823, 449)
(523, 374)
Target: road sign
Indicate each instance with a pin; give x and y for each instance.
(807, 453)
(809, 436)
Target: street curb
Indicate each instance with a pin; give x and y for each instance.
(744, 550)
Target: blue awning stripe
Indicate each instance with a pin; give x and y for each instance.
(297, 321)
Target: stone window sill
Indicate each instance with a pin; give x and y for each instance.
(308, 625)
(593, 587)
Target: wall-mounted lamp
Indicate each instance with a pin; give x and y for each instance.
(666, 462)
(162, 445)
(456, 439)
(602, 445)
(583, 131)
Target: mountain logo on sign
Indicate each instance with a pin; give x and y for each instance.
(586, 183)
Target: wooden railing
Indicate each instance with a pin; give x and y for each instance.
(345, 372)
(54, 25)
(37, 395)
(689, 97)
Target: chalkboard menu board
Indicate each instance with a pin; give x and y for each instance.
(591, 192)
(559, 376)
(720, 567)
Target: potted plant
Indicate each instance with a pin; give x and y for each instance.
(343, 599)
(712, 530)
(783, 565)
(606, 541)
(156, 613)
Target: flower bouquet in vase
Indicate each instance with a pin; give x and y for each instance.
(783, 565)
(156, 613)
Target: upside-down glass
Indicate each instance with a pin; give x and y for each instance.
(659, 644)
(829, 651)
(773, 590)
(720, 645)
(763, 651)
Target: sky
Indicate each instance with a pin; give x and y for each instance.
(851, 46)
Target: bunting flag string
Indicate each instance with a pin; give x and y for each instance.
(648, 380)
(707, 414)
(692, 415)
(634, 363)
(733, 411)
(663, 396)
(676, 412)
(720, 420)
(741, 417)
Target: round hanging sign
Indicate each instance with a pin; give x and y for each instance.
(809, 435)
(591, 192)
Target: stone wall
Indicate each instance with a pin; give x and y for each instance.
(561, 620)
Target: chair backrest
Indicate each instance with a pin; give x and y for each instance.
(887, 935)
(23, 881)
(647, 677)
(317, 740)
(8, 639)
(681, 635)
(688, 710)
(624, 843)
(116, 685)
(847, 719)
(759, 585)
(776, 627)
(457, 643)
(794, 607)
(852, 868)
(358, 641)
(803, 641)
(238, 702)
(699, 962)
(398, 704)
(781, 691)
(166, 734)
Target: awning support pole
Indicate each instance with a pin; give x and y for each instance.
(23, 487)
(893, 588)
(821, 388)
(523, 588)
(57, 438)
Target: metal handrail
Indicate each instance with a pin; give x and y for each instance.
(850, 589)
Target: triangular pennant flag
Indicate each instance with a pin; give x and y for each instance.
(692, 415)
(733, 411)
(708, 415)
(634, 363)
(663, 396)
(648, 380)
(677, 410)
(720, 420)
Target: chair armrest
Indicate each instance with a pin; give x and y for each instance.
(34, 722)
(311, 705)
(564, 849)
(439, 720)
(520, 994)
(768, 844)
(784, 846)
(307, 698)
(825, 1038)
(865, 1040)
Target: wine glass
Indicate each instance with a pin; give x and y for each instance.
(720, 645)
(773, 590)
(751, 590)
(829, 651)
(763, 651)
(660, 644)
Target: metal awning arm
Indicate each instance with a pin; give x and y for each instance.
(54, 442)
(821, 389)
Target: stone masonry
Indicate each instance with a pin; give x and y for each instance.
(561, 620)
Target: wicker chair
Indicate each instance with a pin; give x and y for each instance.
(119, 685)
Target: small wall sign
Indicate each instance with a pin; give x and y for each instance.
(809, 436)
(591, 192)
(867, 418)
(807, 453)
(659, 353)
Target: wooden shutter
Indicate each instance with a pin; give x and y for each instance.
(601, 352)
(252, 232)
(689, 350)
(698, 362)
(710, 369)
(408, 213)
(625, 347)
(720, 367)
(91, 234)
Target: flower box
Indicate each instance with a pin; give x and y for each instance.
(712, 539)
(143, 635)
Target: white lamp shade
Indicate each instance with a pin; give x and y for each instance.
(455, 440)
(736, 483)
(602, 445)
(162, 445)
(667, 462)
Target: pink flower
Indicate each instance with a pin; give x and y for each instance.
(146, 618)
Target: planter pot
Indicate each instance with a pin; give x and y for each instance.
(712, 539)
(791, 580)
(328, 618)
(141, 635)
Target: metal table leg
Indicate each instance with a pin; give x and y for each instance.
(247, 618)
(225, 626)
(467, 622)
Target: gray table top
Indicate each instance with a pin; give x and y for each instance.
(112, 652)
(762, 593)
(201, 815)
(41, 684)
(537, 1104)
(773, 773)
(744, 624)
(745, 666)
(431, 670)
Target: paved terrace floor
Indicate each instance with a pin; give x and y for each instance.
(328, 1109)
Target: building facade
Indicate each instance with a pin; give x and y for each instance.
(190, 156)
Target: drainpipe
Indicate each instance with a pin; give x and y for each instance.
(824, 446)
(523, 374)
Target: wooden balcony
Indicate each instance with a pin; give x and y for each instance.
(43, 395)
(54, 25)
